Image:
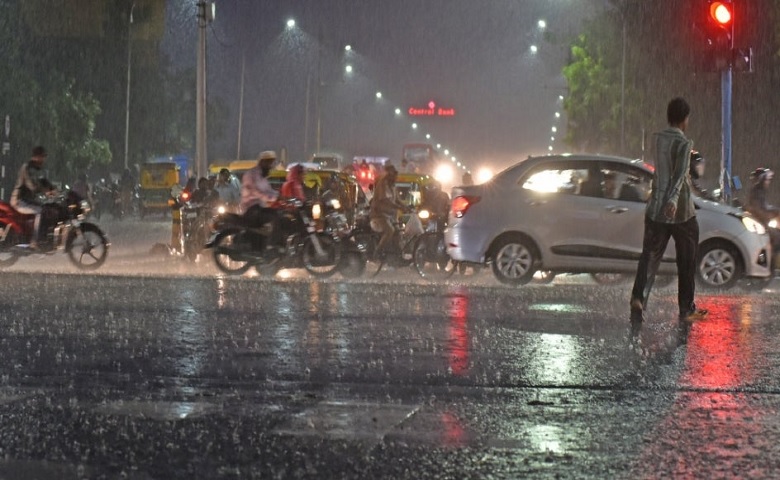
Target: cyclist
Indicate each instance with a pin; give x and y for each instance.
(385, 208)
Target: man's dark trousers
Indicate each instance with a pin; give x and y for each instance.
(686, 244)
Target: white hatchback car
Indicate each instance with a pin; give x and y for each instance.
(585, 213)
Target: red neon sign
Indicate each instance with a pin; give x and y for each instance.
(431, 110)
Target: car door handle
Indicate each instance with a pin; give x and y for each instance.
(615, 209)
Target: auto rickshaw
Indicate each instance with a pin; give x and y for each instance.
(157, 179)
(410, 188)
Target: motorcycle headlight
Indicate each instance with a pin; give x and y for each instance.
(221, 209)
(753, 226)
(85, 207)
(335, 204)
(316, 211)
(424, 214)
(772, 223)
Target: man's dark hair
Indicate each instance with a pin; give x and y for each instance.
(677, 111)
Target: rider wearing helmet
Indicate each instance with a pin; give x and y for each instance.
(760, 208)
(697, 171)
(757, 203)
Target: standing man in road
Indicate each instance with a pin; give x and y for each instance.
(670, 213)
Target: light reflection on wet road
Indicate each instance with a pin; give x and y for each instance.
(201, 376)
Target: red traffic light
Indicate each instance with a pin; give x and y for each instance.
(721, 14)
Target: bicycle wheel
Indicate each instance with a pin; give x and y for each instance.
(431, 259)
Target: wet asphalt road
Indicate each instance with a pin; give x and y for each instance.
(156, 368)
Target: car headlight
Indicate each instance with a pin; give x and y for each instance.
(753, 226)
(424, 214)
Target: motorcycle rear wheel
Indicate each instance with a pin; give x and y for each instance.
(325, 265)
(87, 247)
(222, 255)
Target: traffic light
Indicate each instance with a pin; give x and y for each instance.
(720, 33)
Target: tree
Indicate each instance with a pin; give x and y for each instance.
(45, 109)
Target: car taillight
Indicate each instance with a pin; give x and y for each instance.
(460, 205)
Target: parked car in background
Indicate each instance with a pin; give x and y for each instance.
(585, 214)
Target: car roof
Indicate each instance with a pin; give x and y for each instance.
(532, 161)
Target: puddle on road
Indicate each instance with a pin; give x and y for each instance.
(347, 420)
(158, 410)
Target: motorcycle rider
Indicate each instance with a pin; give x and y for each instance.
(293, 187)
(759, 206)
(228, 188)
(81, 188)
(696, 172)
(436, 201)
(258, 197)
(204, 195)
(30, 183)
(384, 209)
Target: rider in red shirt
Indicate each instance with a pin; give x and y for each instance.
(293, 187)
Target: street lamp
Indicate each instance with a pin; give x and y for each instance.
(127, 103)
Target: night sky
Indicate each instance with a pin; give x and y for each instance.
(473, 56)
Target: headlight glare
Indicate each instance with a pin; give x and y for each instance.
(753, 226)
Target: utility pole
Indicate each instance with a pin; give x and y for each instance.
(205, 16)
(241, 106)
(127, 104)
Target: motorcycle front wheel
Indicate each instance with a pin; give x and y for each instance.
(321, 264)
(224, 251)
(87, 247)
(7, 255)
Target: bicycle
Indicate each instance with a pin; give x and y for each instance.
(431, 259)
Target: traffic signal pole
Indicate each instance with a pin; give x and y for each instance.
(725, 89)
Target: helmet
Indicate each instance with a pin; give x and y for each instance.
(696, 160)
(760, 174)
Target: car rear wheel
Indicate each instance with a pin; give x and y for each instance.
(718, 266)
(514, 261)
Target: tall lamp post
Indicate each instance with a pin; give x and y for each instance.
(127, 104)
(205, 15)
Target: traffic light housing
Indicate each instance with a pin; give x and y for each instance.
(719, 32)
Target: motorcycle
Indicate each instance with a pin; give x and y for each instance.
(332, 220)
(62, 228)
(194, 225)
(238, 245)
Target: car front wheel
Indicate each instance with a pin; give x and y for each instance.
(718, 266)
(514, 261)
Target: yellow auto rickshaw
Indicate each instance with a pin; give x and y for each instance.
(157, 179)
